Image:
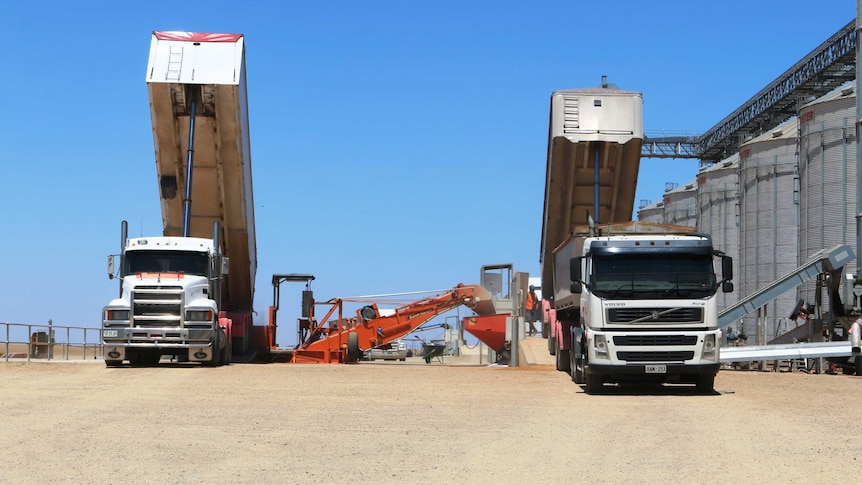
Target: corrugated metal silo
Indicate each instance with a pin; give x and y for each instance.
(680, 205)
(718, 206)
(652, 213)
(827, 179)
(769, 224)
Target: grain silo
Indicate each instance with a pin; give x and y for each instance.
(769, 225)
(652, 213)
(680, 205)
(718, 213)
(827, 179)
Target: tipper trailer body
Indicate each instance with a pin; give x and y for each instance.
(594, 147)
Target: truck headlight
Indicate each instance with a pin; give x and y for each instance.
(117, 315)
(199, 316)
(601, 345)
(710, 350)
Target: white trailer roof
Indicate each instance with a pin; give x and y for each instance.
(195, 58)
(209, 68)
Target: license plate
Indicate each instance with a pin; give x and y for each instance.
(656, 369)
(109, 333)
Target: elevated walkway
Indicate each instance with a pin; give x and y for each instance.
(828, 66)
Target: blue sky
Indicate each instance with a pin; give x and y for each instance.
(396, 146)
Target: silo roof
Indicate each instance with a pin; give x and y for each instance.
(846, 90)
(731, 161)
(781, 132)
(686, 187)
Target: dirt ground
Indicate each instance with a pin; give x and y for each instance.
(393, 422)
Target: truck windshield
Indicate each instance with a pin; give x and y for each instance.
(186, 262)
(648, 276)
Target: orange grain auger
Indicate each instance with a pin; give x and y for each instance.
(337, 339)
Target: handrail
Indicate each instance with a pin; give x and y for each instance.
(41, 342)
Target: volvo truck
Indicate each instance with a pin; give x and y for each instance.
(638, 302)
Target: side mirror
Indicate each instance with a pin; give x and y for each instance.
(225, 265)
(111, 267)
(726, 268)
(727, 286)
(575, 270)
(576, 287)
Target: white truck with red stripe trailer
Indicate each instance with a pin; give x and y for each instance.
(177, 296)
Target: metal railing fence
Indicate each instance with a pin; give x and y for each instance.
(40, 342)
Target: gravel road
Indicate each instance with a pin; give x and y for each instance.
(398, 422)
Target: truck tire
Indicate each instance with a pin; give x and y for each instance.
(577, 358)
(225, 356)
(354, 353)
(552, 345)
(594, 383)
(705, 384)
(858, 363)
(563, 360)
(577, 367)
(215, 358)
(227, 348)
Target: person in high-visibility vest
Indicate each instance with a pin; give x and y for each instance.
(532, 307)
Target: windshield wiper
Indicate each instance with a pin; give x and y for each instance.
(617, 292)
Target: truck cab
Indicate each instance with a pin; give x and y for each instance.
(169, 302)
(647, 310)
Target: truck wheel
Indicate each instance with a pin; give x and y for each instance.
(226, 348)
(563, 360)
(858, 365)
(215, 358)
(594, 383)
(353, 351)
(705, 384)
(552, 345)
(113, 363)
(577, 369)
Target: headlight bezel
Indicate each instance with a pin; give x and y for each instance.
(199, 315)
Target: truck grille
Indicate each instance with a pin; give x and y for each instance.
(656, 356)
(655, 315)
(157, 306)
(654, 340)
